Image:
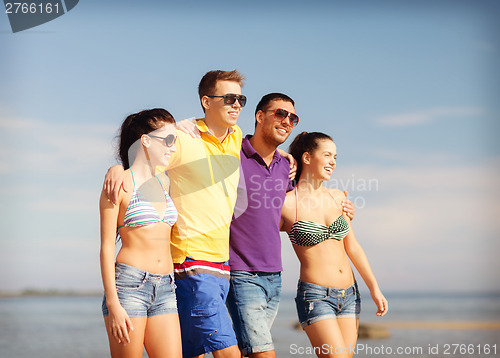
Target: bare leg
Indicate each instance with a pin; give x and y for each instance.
(132, 349)
(327, 338)
(349, 329)
(268, 354)
(163, 336)
(229, 352)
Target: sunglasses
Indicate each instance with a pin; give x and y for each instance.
(169, 140)
(282, 114)
(231, 98)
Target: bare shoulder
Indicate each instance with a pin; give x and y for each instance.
(288, 211)
(105, 202)
(289, 199)
(337, 193)
(128, 181)
(127, 177)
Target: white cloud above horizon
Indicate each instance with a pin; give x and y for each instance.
(51, 148)
(428, 116)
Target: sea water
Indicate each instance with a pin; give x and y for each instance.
(69, 326)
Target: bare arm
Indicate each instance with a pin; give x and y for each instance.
(119, 320)
(360, 261)
(188, 127)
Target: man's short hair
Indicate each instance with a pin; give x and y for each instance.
(268, 98)
(209, 81)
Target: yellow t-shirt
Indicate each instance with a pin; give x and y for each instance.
(204, 176)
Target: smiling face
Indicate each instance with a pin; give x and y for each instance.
(322, 161)
(159, 152)
(220, 114)
(274, 130)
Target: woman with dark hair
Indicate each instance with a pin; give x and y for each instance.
(328, 301)
(139, 304)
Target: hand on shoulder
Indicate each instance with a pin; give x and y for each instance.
(188, 126)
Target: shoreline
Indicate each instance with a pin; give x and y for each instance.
(438, 325)
(49, 293)
(284, 295)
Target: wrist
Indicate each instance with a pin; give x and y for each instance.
(113, 303)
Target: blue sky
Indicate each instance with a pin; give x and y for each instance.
(408, 90)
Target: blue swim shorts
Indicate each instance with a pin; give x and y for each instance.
(202, 289)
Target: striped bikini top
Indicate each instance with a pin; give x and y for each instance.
(141, 212)
(310, 233)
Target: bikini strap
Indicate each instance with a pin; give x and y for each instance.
(161, 184)
(341, 210)
(159, 181)
(133, 179)
(296, 205)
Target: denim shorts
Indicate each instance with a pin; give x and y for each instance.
(315, 302)
(253, 304)
(202, 289)
(143, 294)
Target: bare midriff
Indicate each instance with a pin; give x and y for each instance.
(147, 248)
(325, 264)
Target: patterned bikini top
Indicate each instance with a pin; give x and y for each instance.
(141, 212)
(310, 233)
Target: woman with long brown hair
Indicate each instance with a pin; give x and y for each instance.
(139, 305)
(328, 300)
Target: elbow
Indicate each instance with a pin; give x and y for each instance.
(352, 249)
(106, 252)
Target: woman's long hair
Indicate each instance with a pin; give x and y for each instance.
(138, 124)
(305, 142)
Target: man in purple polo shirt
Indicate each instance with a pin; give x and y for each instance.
(254, 243)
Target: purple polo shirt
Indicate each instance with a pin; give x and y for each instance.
(254, 241)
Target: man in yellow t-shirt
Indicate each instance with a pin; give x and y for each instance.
(203, 181)
(204, 177)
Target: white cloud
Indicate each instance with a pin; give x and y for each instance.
(55, 148)
(428, 116)
(68, 200)
(9, 123)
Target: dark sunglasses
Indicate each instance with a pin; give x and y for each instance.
(169, 140)
(282, 114)
(231, 98)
